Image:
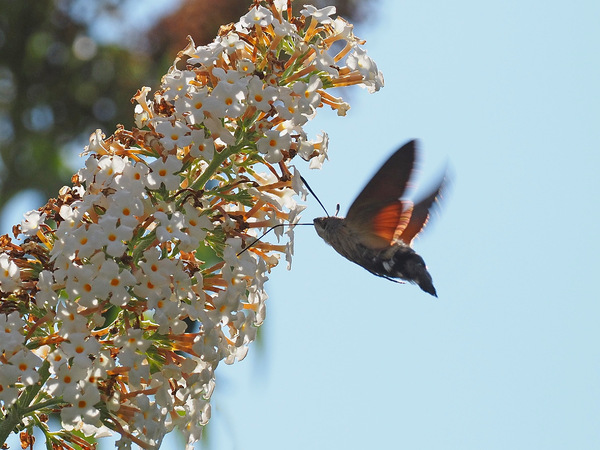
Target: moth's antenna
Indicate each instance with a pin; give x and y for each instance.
(315, 195)
(337, 209)
(267, 232)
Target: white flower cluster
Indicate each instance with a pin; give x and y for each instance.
(97, 302)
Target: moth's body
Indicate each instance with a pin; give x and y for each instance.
(395, 260)
(380, 226)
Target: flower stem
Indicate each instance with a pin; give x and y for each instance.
(22, 407)
(214, 165)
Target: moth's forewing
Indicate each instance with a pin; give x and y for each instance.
(382, 226)
(377, 210)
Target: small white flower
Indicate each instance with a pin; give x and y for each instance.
(343, 29)
(320, 15)
(67, 378)
(80, 286)
(31, 222)
(321, 145)
(196, 225)
(231, 42)
(259, 15)
(118, 282)
(80, 350)
(126, 208)
(158, 269)
(245, 66)
(86, 240)
(116, 237)
(176, 83)
(272, 144)
(358, 60)
(11, 327)
(46, 296)
(260, 95)
(309, 98)
(218, 131)
(97, 145)
(206, 54)
(232, 77)
(194, 104)
(231, 97)
(171, 227)
(108, 167)
(202, 147)
(26, 363)
(8, 394)
(10, 278)
(133, 179)
(163, 172)
(175, 134)
(82, 410)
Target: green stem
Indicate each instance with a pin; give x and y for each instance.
(218, 159)
(9, 423)
(23, 406)
(42, 405)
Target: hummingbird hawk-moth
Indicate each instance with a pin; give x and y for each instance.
(379, 228)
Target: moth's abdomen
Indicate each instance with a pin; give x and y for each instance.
(401, 261)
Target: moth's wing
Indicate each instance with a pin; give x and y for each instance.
(377, 211)
(421, 213)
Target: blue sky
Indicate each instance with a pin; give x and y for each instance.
(507, 357)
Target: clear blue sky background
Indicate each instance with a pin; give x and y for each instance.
(507, 357)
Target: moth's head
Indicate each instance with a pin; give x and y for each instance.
(320, 225)
(326, 225)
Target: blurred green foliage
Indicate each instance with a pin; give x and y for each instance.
(58, 84)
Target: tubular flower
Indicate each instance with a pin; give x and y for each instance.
(120, 297)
